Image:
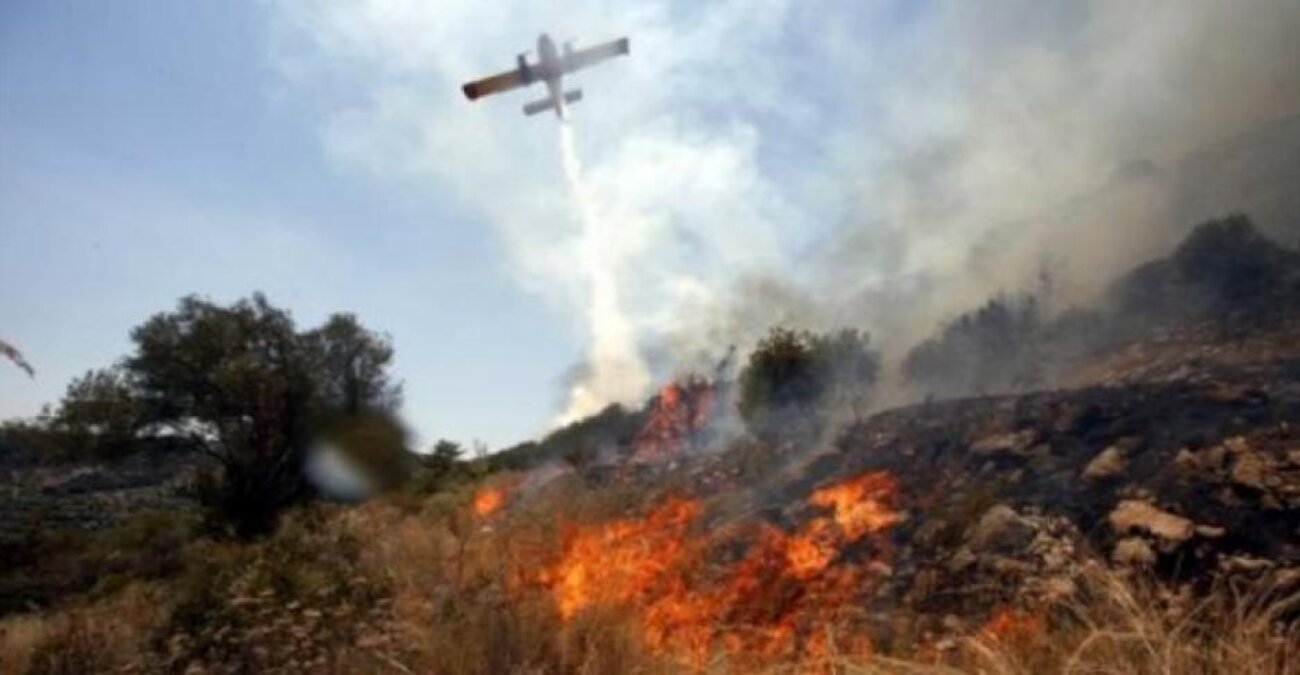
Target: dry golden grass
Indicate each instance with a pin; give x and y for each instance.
(460, 606)
(423, 585)
(462, 597)
(111, 635)
(1126, 625)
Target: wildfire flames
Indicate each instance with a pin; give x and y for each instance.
(680, 411)
(1014, 626)
(765, 603)
(488, 500)
(621, 561)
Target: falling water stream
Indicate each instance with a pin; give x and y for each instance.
(615, 370)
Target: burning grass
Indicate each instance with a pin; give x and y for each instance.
(565, 579)
(488, 500)
(675, 418)
(769, 602)
(1126, 624)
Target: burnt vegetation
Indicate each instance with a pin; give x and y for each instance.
(1065, 487)
(1225, 276)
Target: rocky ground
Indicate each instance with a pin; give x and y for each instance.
(1178, 455)
(89, 495)
(1170, 457)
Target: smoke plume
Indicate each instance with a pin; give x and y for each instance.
(881, 165)
(614, 369)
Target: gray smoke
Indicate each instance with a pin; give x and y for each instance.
(1025, 141)
(883, 165)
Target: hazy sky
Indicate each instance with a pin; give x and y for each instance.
(154, 149)
(321, 152)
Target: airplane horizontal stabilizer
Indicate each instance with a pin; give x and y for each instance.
(549, 103)
(539, 106)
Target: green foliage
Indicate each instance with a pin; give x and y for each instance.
(994, 348)
(850, 369)
(99, 418)
(100, 414)
(443, 466)
(241, 607)
(46, 566)
(579, 443)
(350, 364)
(796, 380)
(240, 383)
(36, 438)
(1225, 270)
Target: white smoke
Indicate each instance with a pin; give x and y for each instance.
(880, 164)
(615, 370)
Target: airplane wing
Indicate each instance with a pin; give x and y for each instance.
(496, 84)
(582, 58)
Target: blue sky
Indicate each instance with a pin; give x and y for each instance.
(148, 150)
(153, 149)
(753, 162)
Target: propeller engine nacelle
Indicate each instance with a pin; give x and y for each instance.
(525, 70)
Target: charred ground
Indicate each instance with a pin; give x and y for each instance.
(1152, 436)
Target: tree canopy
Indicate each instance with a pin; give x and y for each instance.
(796, 380)
(242, 384)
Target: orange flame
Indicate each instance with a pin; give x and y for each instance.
(1010, 625)
(488, 500)
(766, 604)
(680, 410)
(862, 505)
(620, 562)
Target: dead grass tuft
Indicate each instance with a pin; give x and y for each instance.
(109, 635)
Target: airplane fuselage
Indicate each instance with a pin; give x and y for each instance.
(551, 69)
(551, 66)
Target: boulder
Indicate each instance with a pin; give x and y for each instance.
(1136, 515)
(1014, 443)
(1107, 464)
(1250, 469)
(1133, 552)
(1001, 530)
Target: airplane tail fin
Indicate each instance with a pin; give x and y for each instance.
(549, 103)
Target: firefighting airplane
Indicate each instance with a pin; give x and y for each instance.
(551, 67)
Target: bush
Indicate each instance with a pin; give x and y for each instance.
(795, 381)
(296, 600)
(992, 349)
(243, 385)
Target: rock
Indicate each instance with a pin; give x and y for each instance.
(1210, 531)
(1132, 514)
(1214, 458)
(1016, 443)
(1109, 463)
(1237, 445)
(1186, 461)
(1134, 552)
(961, 560)
(1001, 530)
(1244, 563)
(1250, 470)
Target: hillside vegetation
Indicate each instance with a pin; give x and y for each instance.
(1106, 489)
